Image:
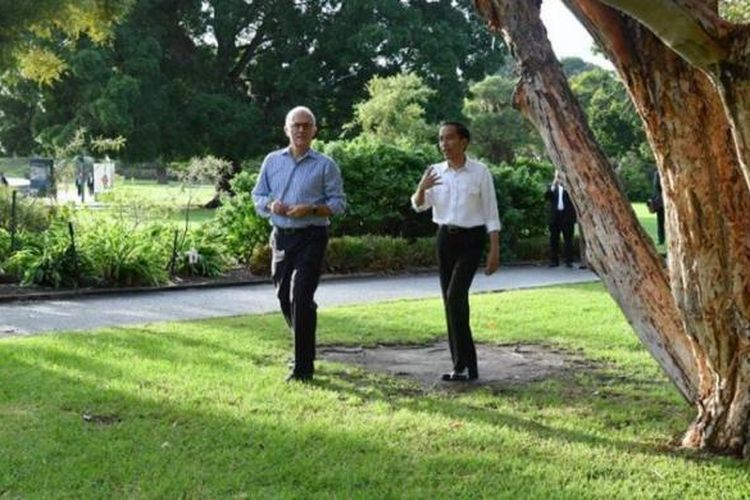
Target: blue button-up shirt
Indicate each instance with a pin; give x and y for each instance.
(313, 178)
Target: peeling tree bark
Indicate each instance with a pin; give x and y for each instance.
(708, 204)
(700, 330)
(625, 259)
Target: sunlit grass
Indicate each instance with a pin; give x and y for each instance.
(200, 410)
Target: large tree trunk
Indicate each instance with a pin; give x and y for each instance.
(708, 213)
(702, 342)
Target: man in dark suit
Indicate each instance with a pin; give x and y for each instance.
(656, 205)
(561, 218)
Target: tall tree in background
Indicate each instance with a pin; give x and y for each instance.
(686, 70)
(186, 78)
(24, 26)
(394, 111)
(499, 131)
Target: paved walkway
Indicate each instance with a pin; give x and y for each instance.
(82, 313)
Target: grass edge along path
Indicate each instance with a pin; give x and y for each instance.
(199, 409)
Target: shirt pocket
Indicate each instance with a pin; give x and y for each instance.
(440, 194)
(469, 193)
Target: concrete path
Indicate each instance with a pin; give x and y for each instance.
(82, 313)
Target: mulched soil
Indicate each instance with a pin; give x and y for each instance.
(500, 366)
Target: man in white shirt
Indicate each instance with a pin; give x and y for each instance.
(461, 193)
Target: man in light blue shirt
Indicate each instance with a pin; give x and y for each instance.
(298, 189)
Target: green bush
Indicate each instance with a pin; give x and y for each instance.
(31, 213)
(4, 247)
(127, 256)
(379, 179)
(210, 253)
(369, 253)
(520, 197)
(636, 176)
(242, 228)
(50, 260)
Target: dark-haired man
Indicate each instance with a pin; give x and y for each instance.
(561, 219)
(299, 189)
(461, 193)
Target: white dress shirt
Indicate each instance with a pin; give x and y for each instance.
(464, 197)
(560, 204)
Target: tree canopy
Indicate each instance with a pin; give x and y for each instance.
(180, 79)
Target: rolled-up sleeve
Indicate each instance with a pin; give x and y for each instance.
(334, 189)
(262, 191)
(489, 203)
(424, 206)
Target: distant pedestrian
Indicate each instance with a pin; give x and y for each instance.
(3, 180)
(561, 218)
(461, 193)
(299, 189)
(656, 206)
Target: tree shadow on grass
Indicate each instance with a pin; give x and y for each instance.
(82, 437)
(576, 392)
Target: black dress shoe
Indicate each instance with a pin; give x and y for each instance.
(299, 377)
(455, 376)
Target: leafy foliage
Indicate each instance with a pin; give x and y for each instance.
(520, 197)
(499, 132)
(31, 213)
(194, 78)
(126, 256)
(243, 229)
(636, 175)
(209, 253)
(379, 178)
(394, 111)
(368, 253)
(51, 260)
(617, 127)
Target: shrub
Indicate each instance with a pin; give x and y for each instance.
(209, 257)
(379, 179)
(50, 260)
(4, 247)
(520, 192)
(127, 256)
(31, 213)
(351, 254)
(636, 175)
(243, 230)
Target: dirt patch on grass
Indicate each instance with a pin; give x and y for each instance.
(499, 365)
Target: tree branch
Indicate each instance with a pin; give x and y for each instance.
(690, 27)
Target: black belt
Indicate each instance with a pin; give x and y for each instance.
(295, 230)
(458, 229)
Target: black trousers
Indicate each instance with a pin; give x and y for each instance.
(660, 225)
(297, 260)
(561, 223)
(459, 251)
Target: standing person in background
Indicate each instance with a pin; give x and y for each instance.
(3, 180)
(561, 218)
(299, 189)
(656, 205)
(461, 193)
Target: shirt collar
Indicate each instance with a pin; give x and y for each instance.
(469, 165)
(288, 152)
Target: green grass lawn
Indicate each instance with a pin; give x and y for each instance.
(648, 221)
(200, 410)
(145, 199)
(14, 167)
